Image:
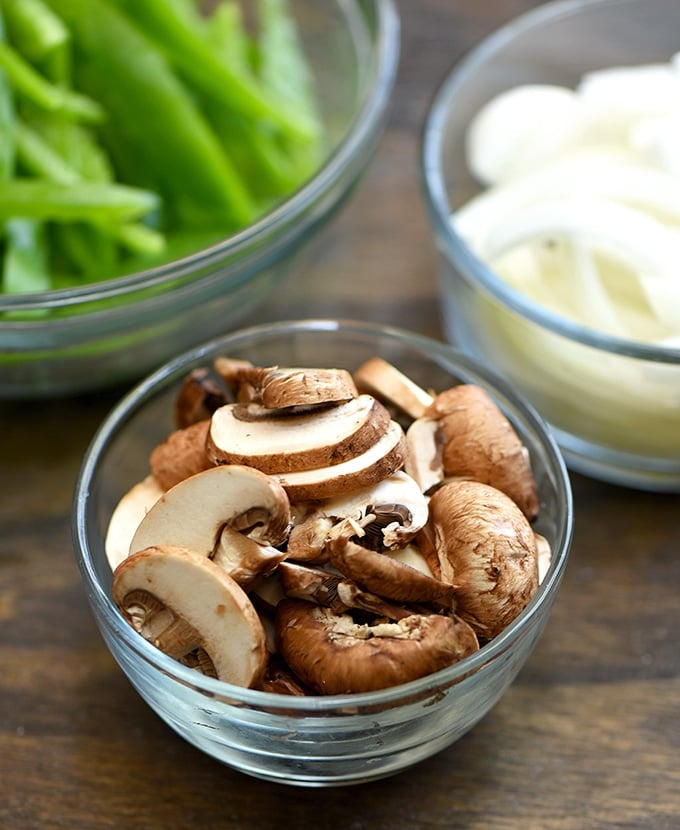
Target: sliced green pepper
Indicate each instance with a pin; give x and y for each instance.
(156, 134)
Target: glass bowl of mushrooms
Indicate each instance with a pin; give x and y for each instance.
(322, 550)
(551, 170)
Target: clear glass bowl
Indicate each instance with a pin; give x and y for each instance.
(312, 741)
(613, 404)
(112, 331)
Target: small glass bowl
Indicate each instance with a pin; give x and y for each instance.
(109, 332)
(312, 741)
(613, 404)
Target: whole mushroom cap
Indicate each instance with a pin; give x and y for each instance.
(480, 443)
(487, 549)
(332, 654)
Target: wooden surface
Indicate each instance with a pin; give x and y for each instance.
(587, 737)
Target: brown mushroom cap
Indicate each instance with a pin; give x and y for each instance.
(284, 388)
(487, 548)
(200, 395)
(480, 443)
(332, 654)
(190, 609)
(181, 454)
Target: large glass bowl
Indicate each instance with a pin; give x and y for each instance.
(312, 741)
(112, 331)
(613, 404)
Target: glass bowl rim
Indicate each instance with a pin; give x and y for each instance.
(384, 61)
(440, 210)
(328, 705)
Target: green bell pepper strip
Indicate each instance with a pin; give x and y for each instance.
(184, 41)
(44, 161)
(76, 144)
(34, 29)
(7, 116)
(254, 145)
(37, 89)
(155, 134)
(284, 71)
(40, 36)
(25, 266)
(89, 201)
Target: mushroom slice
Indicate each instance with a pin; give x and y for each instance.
(487, 548)
(379, 461)
(279, 680)
(126, 517)
(413, 556)
(275, 444)
(386, 576)
(193, 513)
(333, 591)
(200, 395)
(303, 388)
(181, 454)
(243, 558)
(396, 504)
(424, 461)
(233, 372)
(307, 540)
(193, 611)
(480, 443)
(380, 378)
(287, 388)
(333, 654)
(544, 551)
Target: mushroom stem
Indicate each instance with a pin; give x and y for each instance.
(334, 592)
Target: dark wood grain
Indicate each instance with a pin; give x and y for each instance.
(587, 737)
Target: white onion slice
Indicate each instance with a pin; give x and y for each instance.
(518, 129)
(621, 232)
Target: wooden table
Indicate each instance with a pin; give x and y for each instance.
(587, 737)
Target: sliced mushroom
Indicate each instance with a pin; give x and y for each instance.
(190, 609)
(487, 549)
(396, 509)
(200, 395)
(233, 372)
(307, 539)
(480, 443)
(126, 517)
(193, 513)
(387, 576)
(382, 379)
(411, 555)
(333, 654)
(244, 559)
(303, 388)
(424, 461)
(544, 551)
(279, 680)
(287, 388)
(333, 591)
(181, 454)
(306, 441)
(379, 461)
